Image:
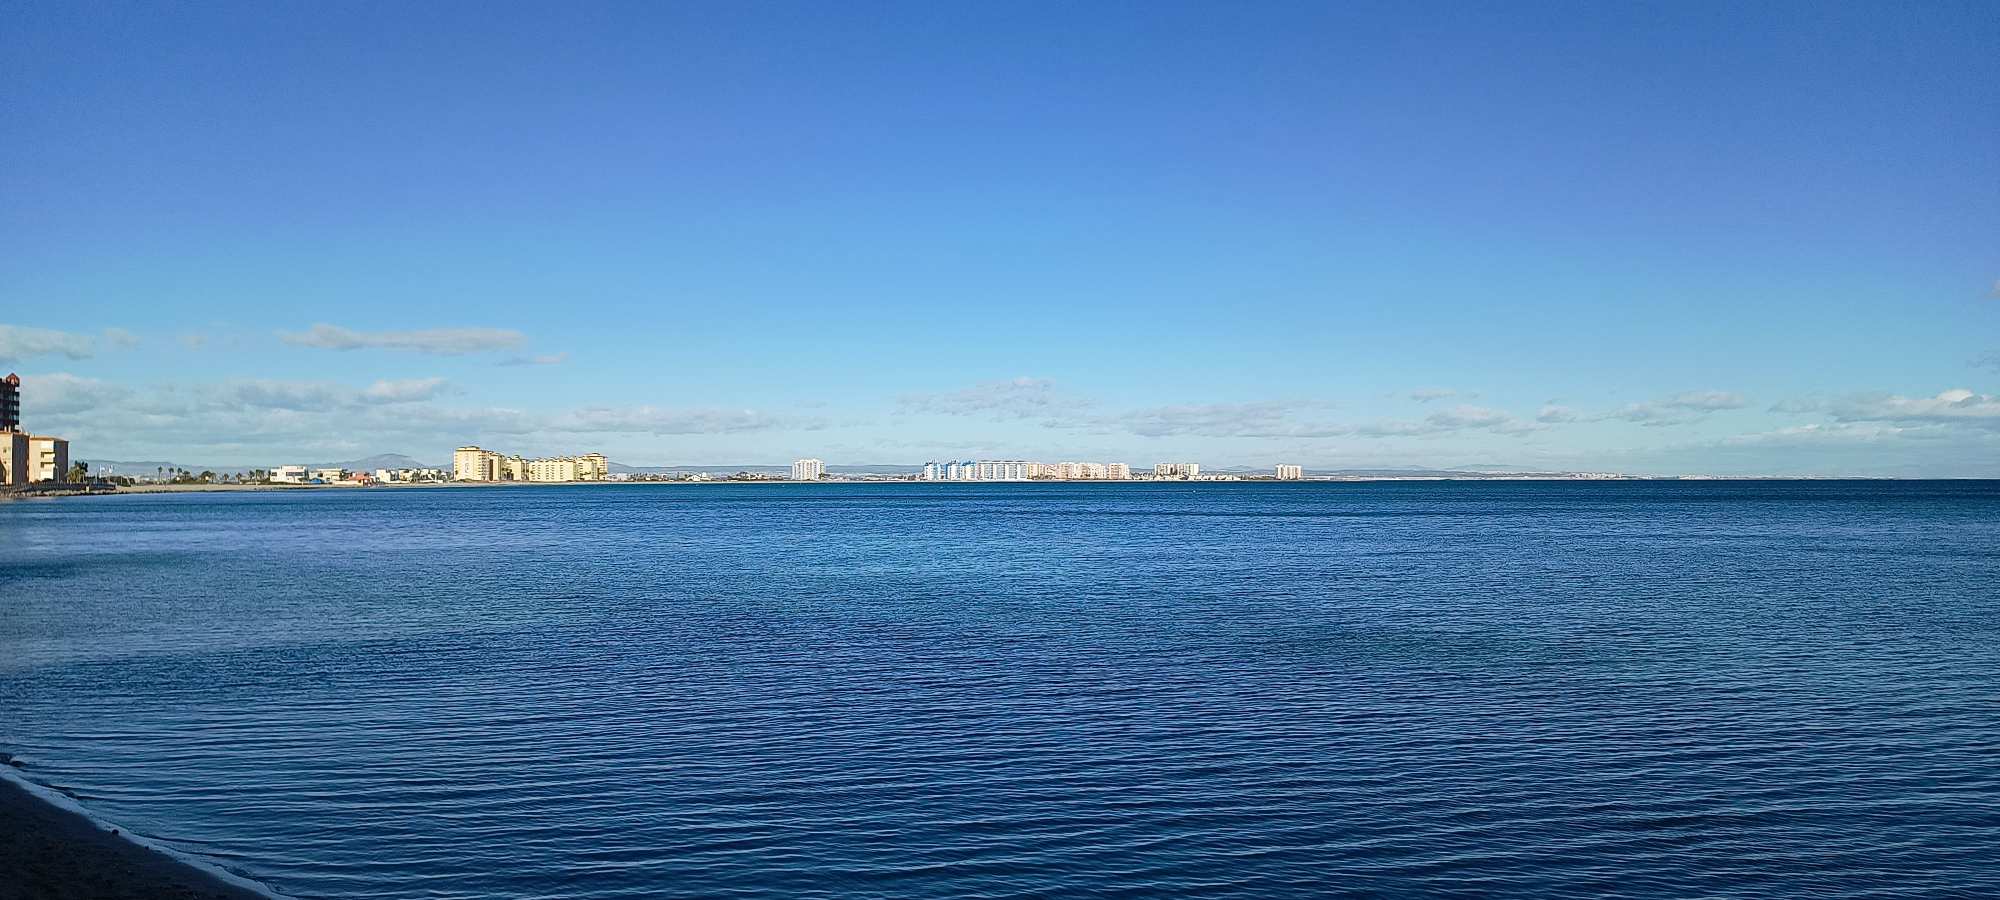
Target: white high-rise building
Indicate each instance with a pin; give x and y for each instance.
(999, 470)
(808, 470)
(983, 470)
(1177, 470)
(1290, 473)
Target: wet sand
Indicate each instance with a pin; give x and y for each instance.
(50, 853)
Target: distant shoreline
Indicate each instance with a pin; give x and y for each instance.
(1358, 479)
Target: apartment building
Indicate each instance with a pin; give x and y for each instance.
(982, 470)
(474, 464)
(14, 458)
(26, 458)
(477, 464)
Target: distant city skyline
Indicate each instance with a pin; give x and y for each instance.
(1654, 240)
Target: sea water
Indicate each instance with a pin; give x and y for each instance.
(1636, 689)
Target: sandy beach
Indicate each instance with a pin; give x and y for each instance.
(50, 853)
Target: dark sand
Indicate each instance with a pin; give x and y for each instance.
(50, 852)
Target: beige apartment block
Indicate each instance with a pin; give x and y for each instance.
(13, 459)
(26, 458)
(477, 464)
(556, 469)
(49, 458)
(31, 458)
(474, 464)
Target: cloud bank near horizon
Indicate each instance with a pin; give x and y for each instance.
(257, 419)
(435, 341)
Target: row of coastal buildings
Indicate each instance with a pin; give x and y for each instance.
(25, 458)
(478, 464)
(1024, 470)
(342, 476)
(467, 464)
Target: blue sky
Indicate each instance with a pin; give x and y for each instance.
(1671, 238)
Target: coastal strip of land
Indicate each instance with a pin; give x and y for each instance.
(51, 853)
(215, 489)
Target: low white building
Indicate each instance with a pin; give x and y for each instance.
(1182, 471)
(329, 475)
(289, 475)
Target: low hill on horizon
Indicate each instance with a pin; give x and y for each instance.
(141, 468)
(378, 461)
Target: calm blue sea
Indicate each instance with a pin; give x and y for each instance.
(953, 691)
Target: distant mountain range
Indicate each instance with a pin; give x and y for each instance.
(378, 461)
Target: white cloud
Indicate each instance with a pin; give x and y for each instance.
(64, 394)
(1017, 398)
(262, 421)
(1210, 420)
(1821, 433)
(1037, 400)
(1705, 401)
(1849, 449)
(404, 391)
(1679, 409)
(19, 342)
(1461, 418)
(1555, 414)
(1275, 420)
(119, 337)
(1958, 406)
(546, 359)
(656, 420)
(1426, 395)
(437, 341)
(60, 393)
(291, 395)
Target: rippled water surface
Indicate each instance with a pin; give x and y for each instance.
(1275, 690)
